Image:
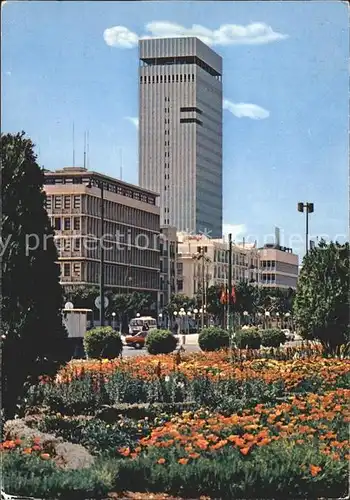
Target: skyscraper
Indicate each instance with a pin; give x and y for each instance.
(180, 131)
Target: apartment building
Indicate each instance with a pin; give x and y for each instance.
(180, 131)
(168, 265)
(279, 266)
(131, 230)
(203, 260)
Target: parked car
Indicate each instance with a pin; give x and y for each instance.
(137, 341)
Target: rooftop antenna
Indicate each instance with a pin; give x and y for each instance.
(121, 164)
(85, 138)
(87, 150)
(73, 147)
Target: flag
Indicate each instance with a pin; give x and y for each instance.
(233, 295)
(223, 296)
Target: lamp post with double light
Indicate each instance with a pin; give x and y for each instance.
(308, 208)
(267, 319)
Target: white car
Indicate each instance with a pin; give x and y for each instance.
(289, 335)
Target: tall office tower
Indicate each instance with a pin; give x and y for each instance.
(180, 132)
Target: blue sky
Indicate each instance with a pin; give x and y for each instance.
(285, 88)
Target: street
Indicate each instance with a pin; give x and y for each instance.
(129, 352)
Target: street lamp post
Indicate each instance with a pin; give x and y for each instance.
(309, 208)
(160, 315)
(100, 185)
(189, 314)
(245, 314)
(267, 315)
(113, 319)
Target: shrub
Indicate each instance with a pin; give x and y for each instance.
(272, 337)
(103, 342)
(248, 339)
(213, 339)
(160, 342)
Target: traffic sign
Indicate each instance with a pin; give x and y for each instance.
(98, 302)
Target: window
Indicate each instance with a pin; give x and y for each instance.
(152, 78)
(76, 224)
(140, 79)
(67, 224)
(48, 203)
(181, 78)
(67, 244)
(76, 269)
(66, 269)
(77, 201)
(67, 202)
(157, 79)
(193, 78)
(57, 224)
(77, 244)
(58, 201)
(161, 78)
(184, 78)
(190, 109)
(177, 78)
(191, 120)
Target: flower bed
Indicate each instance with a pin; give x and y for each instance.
(257, 427)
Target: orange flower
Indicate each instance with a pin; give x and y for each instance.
(27, 451)
(245, 450)
(183, 461)
(194, 455)
(18, 442)
(161, 461)
(315, 469)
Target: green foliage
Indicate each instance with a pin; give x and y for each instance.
(177, 302)
(29, 475)
(248, 338)
(213, 339)
(280, 470)
(99, 437)
(322, 304)
(103, 342)
(272, 337)
(246, 297)
(31, 293)
(160, 342)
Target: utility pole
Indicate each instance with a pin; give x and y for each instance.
(309, 208)
(229, 301)
(102, 259)
(203, 285)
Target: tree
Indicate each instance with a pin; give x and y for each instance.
(246, 297)
(33, 334)
(83, 296)
(177, 302)
(128, 305)
(321, 305)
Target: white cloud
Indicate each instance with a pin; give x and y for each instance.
(246, 110)
(134, 120)
(120, 36)
(226, 34)
(234, 229)
(8, 73)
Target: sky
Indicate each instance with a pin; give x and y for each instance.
(285, 80)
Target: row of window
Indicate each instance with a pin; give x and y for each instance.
(112, 187)
(170, 61)
(66, 223)
(167, 78)
(63, 201)
(191, 120)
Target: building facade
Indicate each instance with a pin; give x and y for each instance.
(130, 237)
(180, 132)
(279, 267)
(204, 262)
